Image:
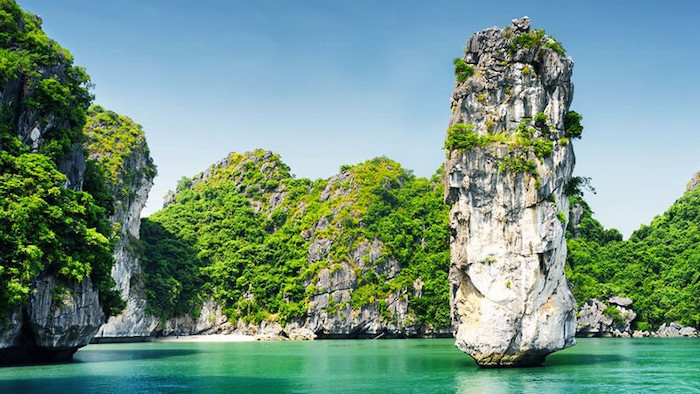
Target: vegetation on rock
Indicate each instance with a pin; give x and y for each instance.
(658, 267)
(243, 232)
(55, 88)
(46, 229)
(112, 141)
(534, 39)
(462, 70)
(521, 142)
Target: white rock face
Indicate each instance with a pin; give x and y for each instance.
(133, 321)
(511, 303)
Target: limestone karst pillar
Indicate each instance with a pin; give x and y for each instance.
(509, 159)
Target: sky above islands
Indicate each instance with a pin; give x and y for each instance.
(326, 83)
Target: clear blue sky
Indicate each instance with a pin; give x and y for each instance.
(326, 83)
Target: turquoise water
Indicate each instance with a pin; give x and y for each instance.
(360, 366)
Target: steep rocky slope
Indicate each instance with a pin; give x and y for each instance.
(56, 239)
(362, 254)
(55, 286)
(510, 158)
(118, 145)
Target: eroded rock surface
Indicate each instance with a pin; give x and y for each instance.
(596, 319)
(130, 181)
(510, 301)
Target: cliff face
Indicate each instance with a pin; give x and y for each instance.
(43, 98)
(362, 254)
(56, 258)
(118, 144)
(509, 160)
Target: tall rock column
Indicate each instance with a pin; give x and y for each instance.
(509, 159)
(118, 144)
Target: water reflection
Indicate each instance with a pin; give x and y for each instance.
(115, 355)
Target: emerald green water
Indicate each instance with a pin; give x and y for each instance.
(360, 366)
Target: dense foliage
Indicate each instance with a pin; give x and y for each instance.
(113, 141)
(658, 267)
(224, 232)
(572, 124)
(55, 88)
(45, 228)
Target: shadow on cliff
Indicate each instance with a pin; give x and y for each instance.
(168, 262)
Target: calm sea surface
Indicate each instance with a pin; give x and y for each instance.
(360, 366)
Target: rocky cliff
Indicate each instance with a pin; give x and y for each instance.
(118, 145)
(60, 181)
(362, 254)
(54, 251)
(509, 160)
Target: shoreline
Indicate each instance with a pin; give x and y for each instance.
(227, 338)
(207, 338)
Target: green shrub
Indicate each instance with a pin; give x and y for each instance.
(541, 119)
(615, 314)
(556, 47)
(572, 124)
(535, 39)
(576, 186)
(562, 217)
(542, 148)
(517, 164)
(462, 70)
(462, 137)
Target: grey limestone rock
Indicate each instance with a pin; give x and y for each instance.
(510, 301)
(133, 321)
(593, 321)
(620, 301)
(44, 330)
(674, 330)
(575, 216)
(694, 182)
